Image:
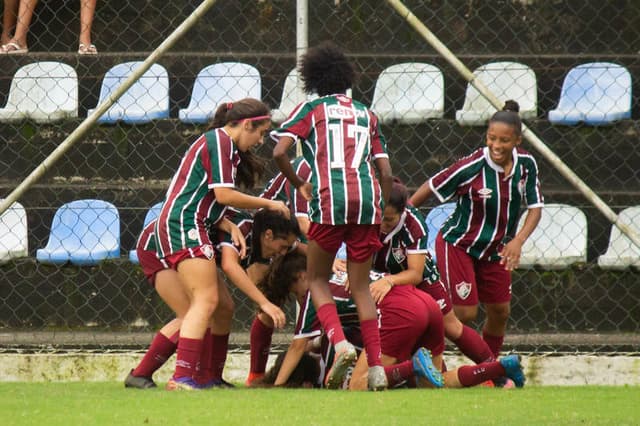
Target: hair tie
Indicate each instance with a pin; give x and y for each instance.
(229, 105)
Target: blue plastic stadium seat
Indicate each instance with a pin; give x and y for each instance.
(507, 80)
(218, 83)
(434, 220)
(596, 94)
(409, 93)
(13, 233)
(622, 253)
(152, 214)
(146, 100)
(559, 240)
(83, 232)
(43, 92)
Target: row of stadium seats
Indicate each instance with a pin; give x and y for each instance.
(84, 232)
(595, 93)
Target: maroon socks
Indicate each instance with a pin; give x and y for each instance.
(159, 352)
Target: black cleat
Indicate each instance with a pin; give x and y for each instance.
(138, 382)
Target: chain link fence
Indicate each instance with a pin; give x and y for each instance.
(128, 162)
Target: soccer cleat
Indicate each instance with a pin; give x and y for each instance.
(344, 360)
(138, 382)
(183, 383)
(513, 369)
(377, 379)
(252, 377)
(217, 383)
(423, 368)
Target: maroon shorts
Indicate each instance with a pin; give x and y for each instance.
(438, 291)
(362, 241)
(150, 264)
(204, 251)
(409, 319)
(471, 280)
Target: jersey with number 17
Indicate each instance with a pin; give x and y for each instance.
(341, 137)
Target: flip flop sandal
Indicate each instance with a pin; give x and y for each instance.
(84, 49)
(13, 48)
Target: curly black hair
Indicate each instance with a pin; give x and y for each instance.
(325, 70)
(282, 274)
(307, 371)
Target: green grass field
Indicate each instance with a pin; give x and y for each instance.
(111, 404)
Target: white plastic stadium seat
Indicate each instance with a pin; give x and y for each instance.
(292, 96)
(13, 233)
(146, 100)
(559, 240)
(43, 92)
(621, 252)
(596, 94)
(218, 83)
(409, 93)
(507, 80)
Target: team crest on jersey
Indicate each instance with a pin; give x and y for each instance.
(207, 250)
(485, 193)
(463, 289)
(192, 234)
(398, 254)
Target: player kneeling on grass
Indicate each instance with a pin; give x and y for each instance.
(411, 323)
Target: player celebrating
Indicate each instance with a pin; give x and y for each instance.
(202, 187)
(478, 247)
(341, 138)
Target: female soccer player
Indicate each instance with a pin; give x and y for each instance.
(268, 234)
(201, 189)
(166, 282)
(478, 246)
(405, 259)
(410, 320)
(278, 188)
(341, 137)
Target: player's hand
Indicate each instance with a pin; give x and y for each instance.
(276, 314)
(379, 289)
(510, 254)
(239, 241)
(281, 207)
(306, 190)
(339, 265)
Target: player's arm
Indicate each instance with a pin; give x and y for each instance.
(237, 237)
(421, 195)
(410, 276)
(231, 266)
(282, 160)
(513, 249)
(291, 360)
(385, 176)
(231, 197)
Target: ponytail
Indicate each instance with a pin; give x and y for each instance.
(509, 115)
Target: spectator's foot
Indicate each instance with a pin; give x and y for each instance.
(13, 48)
(87, 49)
